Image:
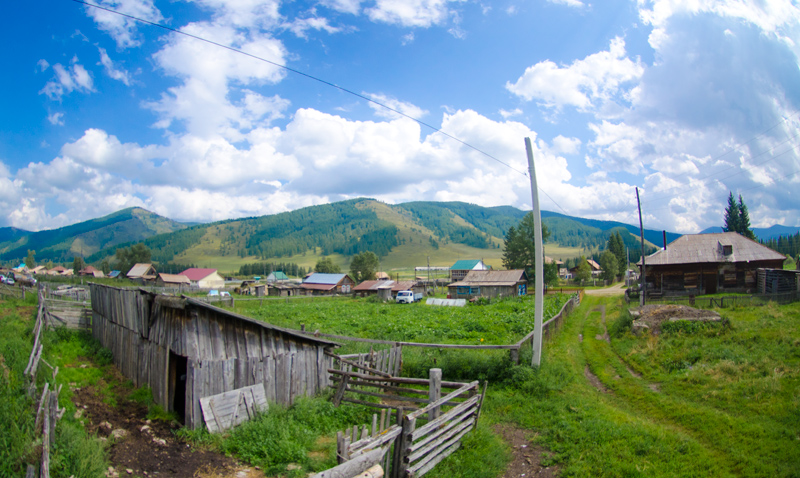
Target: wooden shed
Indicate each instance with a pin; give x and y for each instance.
(490, 284)
(186, 350)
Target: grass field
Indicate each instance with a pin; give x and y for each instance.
(696, 400)
(716, 400)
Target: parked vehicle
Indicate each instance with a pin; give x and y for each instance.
(407, 297)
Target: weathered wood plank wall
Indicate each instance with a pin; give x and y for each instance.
(223, 351)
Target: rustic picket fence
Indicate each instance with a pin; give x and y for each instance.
(48, 413)
(423, 433)
(17, 292)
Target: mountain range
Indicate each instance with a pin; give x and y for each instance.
(402, 235)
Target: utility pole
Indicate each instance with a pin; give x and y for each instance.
(536, 360)
(642, 279)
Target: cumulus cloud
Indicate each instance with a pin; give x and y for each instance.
(410, 13)
(112, 71)
(598, 78)
(301, 25)
(123, 29)
(403, 107)
(56, 118)
(68, 79)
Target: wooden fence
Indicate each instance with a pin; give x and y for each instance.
(48, 413)
(15, 291)
(548, 328)
(388, 361)
(724, 302)
(417, 441)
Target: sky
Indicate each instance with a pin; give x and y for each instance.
(686, 100)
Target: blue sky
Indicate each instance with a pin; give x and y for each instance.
(686, 100)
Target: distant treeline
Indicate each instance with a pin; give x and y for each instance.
(789, 245)
(265, 268)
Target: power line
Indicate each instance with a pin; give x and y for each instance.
(301, 73)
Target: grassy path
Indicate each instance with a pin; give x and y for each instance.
(640, 420)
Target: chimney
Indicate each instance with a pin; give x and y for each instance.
(665, 240)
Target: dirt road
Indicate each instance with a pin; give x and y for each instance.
(616, 289)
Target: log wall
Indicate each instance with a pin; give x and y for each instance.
(223, 351)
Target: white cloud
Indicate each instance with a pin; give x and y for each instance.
(56, 118)
(565, 145)
(403, 107)
(43, 64)
(569, 3)
(301, 25)
(509, 114)
(211, 76)
(115, 73)
(410, 13)
(67, 80)
(245, 14)
(584, 84)
(408, 38)
(344, 6)
(123, 29)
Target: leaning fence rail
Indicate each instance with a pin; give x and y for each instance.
(424, 433)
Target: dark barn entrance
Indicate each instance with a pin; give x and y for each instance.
(178, 366)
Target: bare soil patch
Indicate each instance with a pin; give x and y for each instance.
(528, 457)
(592, 378)
(652, 316)
(145, 447)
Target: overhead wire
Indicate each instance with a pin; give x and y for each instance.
(301, 73)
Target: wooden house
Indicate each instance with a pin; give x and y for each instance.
(708, 263)
(91, 271)
(176, 281)
(459, 270)
(204, 278)
(276, 276)
(490, 284)
(142, 272)
(185, 350)
(327, 284)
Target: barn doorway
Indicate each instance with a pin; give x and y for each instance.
(178, 365)
(710, 282)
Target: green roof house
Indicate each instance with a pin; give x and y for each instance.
(460, 269)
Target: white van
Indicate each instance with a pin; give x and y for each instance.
(405, 297)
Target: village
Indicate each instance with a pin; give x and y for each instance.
(187, 340)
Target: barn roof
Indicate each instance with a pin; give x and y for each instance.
(196, 274)
(465, 265)
(325, 279)
(141, 270)
(714, 248)
(174, 279)
(373, 285)
(492, 278)
(294, 333)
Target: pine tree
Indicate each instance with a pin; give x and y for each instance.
(731, 215)
(744, 221)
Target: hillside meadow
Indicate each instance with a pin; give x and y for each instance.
(696, 400)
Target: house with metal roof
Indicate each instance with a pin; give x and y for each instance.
(460, 269)
(490, 284)
(204, 278)
(708, 263)
(386, 289)
(323, 284)
(91, 271)
(276, 276)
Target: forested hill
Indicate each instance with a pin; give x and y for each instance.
(450, 229)
(85, 238)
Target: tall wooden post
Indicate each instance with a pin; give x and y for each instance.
(643, 278)
(434, 391)
(536, 360)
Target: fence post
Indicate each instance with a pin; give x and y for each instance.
(434, 392)
(404, 440)
(514, 356)
(397, 455)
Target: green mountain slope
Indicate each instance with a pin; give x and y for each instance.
(403, 235)
(85, 238)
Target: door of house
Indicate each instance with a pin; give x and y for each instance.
(710, 282)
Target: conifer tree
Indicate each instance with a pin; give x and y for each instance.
(731, 215)
(744, 221)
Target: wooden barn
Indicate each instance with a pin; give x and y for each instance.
(185, 350)
(708, 263)
(490, 284)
